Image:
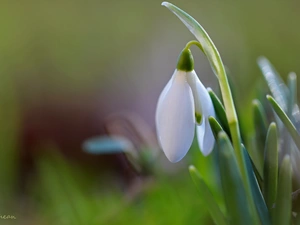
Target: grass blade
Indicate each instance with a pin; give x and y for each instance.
(277, 87)
(234, 193)
(215, 126)
(292, 86)
(271, 166)
(220, 111)
(293, 108)
(285, 120)
(261, 129)
(256, 192)
(283, 208)
(260, 120)
(207, 196)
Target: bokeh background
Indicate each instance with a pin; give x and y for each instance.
(67, 66)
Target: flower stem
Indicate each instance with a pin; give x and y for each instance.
(194, 42)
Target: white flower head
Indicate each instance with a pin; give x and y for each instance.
(184, 103)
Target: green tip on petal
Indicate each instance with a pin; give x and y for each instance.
(185, 61)
(198, 117)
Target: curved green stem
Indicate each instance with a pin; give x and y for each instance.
(194, 42)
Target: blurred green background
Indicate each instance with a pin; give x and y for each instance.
(67, 65)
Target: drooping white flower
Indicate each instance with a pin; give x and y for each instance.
(184, 103)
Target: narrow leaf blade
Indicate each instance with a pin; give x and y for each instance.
(220, 111)
(232, 184)
(260, 121)
(286, 121)
(293, 108)
(277, 86)
(283, 208)
(256, 192)
(261, 129)
(271, 166)
(215, 126)
(207, 196)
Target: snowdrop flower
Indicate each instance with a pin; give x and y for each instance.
(184, 103)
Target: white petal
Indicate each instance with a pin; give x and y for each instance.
(206, 140)
(162, 97)
(175, 121)
(194, 83)
(205, 136)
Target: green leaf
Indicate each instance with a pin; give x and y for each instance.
(257, 195)
(208, 198)
(286, 121)
(271, 166)
(293, 109)
(283, 207)
(260, 121)
(215, 126)
(292, 112)
(292, 86)
(280, 91)
(256, 192)
(233, 188)
(261, 129)
(219, 109)
(277, 87)
(253, 153)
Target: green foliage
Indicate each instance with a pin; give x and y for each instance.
(285, 119)
(261, 128)
(62, 190)
(271, 166)
(283, 206)
(212, 205)
(237, 204)
(215, 126)
(220, 111)
(258, 198)
(69, 194)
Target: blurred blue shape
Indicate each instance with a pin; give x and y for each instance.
(107, 145)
